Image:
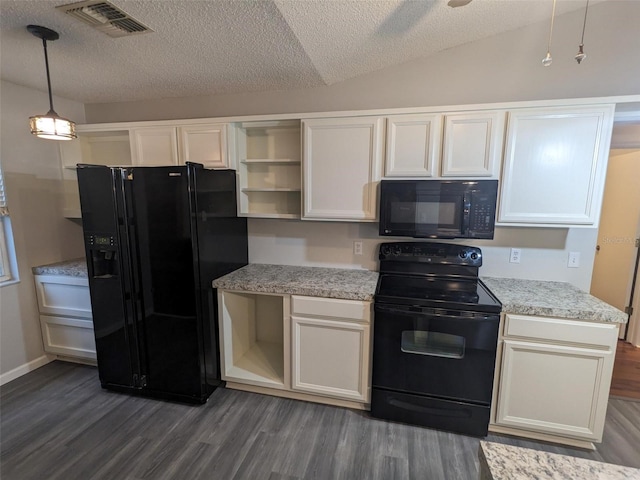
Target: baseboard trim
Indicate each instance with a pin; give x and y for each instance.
(26, 368)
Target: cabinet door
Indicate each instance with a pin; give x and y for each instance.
(413, 145)
(205, 144)
(554, 389)
(330, 357)
(472, 145)
(154, 146)
(342, 166)
(555, 165)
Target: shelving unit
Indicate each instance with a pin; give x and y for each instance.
(96, 148)
(255, 333)
(269, 169)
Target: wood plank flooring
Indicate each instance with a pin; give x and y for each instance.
(57, 423)
(626, 371)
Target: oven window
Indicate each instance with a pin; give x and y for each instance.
(435, 344)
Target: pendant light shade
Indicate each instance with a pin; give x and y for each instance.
(51, 125)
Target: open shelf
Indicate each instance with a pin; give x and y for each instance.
(263, 363)
(253, 338)
(269, 169)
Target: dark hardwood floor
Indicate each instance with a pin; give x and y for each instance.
(57, 423)
(626, 371)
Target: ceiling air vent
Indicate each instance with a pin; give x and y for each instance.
(105, 17)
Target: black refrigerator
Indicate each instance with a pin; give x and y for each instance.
(155, 238)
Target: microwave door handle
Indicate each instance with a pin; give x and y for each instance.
(466, 213)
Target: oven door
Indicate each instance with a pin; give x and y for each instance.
(422, 209)
(441, 353)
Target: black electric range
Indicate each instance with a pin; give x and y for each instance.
(435, 337)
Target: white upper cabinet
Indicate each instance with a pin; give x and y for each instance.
(205, 144)
(169, 145)
(472, 144)
(413, 145)
(154, 146)
(555, 165)
(342, 166)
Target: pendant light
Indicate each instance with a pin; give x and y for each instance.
(546, 61)
(51, 126)
(580, 56)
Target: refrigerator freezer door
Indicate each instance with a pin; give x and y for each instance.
(109, 281)
(168, 320)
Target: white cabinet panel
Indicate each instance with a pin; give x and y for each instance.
(342, 166)
(553, 377)
(63, 295)
(331, 307)
(554, 389)
(472, 145)
(65, 316)
(205, 144)
(330, 357)
(555, 165)
(154, 146)
(413, 145)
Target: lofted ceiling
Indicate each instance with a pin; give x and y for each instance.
(208, 47)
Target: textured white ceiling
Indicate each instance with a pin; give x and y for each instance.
(201, 47)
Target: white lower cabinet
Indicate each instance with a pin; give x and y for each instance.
(331, 347)
(65, 316)
(554, 376)
(309, 348)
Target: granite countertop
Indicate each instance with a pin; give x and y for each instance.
(312, 281)
(506, 462)
(71, 268)
(552, 299)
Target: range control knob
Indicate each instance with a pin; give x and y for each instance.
(474, 256)
(463, 254)
(385, 250)
(397, 250)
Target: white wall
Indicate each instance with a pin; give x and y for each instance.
(34, 194)
(502, 68)
(545, 251)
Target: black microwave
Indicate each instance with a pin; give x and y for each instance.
(438, 208)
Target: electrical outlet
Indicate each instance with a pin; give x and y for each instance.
(574, 260)
(515, 255)
(357, 248)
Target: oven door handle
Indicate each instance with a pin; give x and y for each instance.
(412, 310)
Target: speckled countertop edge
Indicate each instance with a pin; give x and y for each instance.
(525, 297)
(312, 281)
(507, 462)
(70, 268)
(551, 299)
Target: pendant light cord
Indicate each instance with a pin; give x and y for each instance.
(584, 25)
(553, 14)
(46, 63)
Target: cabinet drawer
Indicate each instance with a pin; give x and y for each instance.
(68, 336)
(561, 330)
(331, 307)
(63, 295)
